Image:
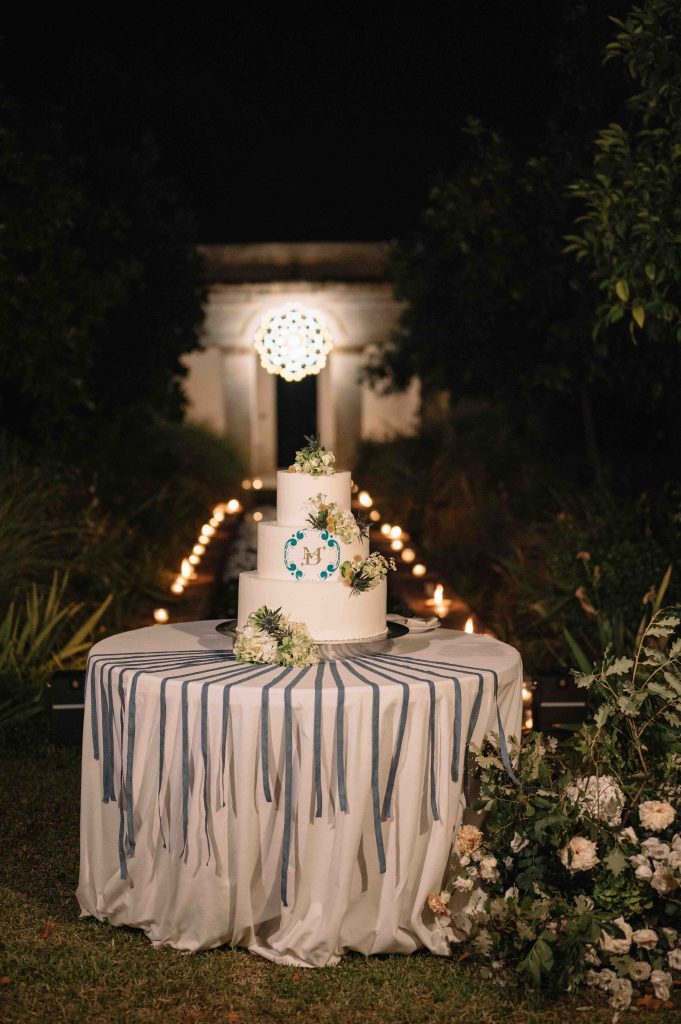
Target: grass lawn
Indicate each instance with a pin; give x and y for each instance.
(55, 967)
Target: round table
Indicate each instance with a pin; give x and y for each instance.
(300, 813)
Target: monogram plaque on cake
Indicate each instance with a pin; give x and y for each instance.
(311, 555)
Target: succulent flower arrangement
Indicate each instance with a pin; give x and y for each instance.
(314, 459)
(362, 574)
(270, 638)
(326, 515)
(576, 878)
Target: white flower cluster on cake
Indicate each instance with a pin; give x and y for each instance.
(362, 574)
(326, 515)
(314, 459)
(270, 638)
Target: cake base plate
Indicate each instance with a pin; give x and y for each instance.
(332, 650)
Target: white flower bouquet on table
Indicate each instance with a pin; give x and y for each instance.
(270, 638)
(362, 574)
(326, 515)
(575, 876)
(314, 459)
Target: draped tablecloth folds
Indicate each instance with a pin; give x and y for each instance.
(300, 813)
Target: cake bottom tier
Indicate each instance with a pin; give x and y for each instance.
(329, 610)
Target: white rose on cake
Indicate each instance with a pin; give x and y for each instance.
(255, 645)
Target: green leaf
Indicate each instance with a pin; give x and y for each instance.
(578, 654)
(622, 290)
(615, 861)
(639, 314)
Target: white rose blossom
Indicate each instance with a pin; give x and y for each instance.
(620, 994)
(656, 849)
(662, 984)
(518, 843)
(646, 938)
(598, 797)
(488, 869)
(656, 815)
(639, 970)
(579, 854)
(463, 884)
(671, 935)
(642, 868)
(664, 880)
(674, 959)
(255, 645)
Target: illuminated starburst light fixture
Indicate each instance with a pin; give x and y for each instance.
(293, 342)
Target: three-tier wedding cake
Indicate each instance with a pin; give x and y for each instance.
(314, 562)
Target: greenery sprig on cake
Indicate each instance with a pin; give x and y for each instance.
(326, 515)
(270, 638)
(362, 574)
(314, 459)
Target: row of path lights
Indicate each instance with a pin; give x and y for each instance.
(189, 564)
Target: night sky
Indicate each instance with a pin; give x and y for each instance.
(315, 122)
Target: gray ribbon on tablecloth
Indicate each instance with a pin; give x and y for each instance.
(221, 667)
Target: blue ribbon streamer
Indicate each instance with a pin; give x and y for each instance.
(317, 744)
(375, 709)
(265, 732)
(397, 752)
(288, 784)
(340, 737)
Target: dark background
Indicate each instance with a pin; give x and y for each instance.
(307, 122)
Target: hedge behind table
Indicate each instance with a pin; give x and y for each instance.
(300, 813)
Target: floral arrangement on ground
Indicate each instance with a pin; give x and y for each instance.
(576, 878)
(313, 459)
(270, 638)
(326, 515)
(362, 574)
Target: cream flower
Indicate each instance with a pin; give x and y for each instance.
(579, 854)
(255, 645)
(655, 849)
(642, 868)
(598, 797)
(615, 944)
(468, 839)
(488, 869)
(656, 815)
(664, 880)
(621, 992)
(646, 938)
(639, 970)
(674, 959)
(671, 935)
(463, 884)
(518, 843)
(662, 984)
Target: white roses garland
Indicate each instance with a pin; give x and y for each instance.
(314, 459)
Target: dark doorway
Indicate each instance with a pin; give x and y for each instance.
(296, 416)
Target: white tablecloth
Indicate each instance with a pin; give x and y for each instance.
(298, 813)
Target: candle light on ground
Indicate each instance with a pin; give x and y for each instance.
(204, 539)
(233, 506)
(419, 569)
(374, 515)
(395, 532)
(194, 559)
(246, 484)
(178, 586)
(257, 516)
(385, 529)
(396, 545)
(161, 615)
(527, 695)
(438, 602)
(216, 520)
(469, 627)
(257, 484)
(186, 570)
(208, 529)
(408, 555)
(365, 499)
(199, 549)
(220, 510)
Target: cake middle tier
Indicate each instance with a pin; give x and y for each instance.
(290, 553)
(294, 491)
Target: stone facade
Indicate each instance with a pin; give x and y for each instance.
(228, 389)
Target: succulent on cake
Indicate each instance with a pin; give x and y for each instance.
(270, 638)
(314, 459)
(326, 515)
(362, 574)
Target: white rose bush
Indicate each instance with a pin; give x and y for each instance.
(574, 875)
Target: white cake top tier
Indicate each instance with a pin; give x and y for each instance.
(294, 491)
